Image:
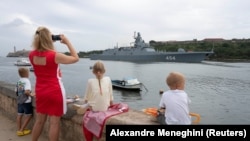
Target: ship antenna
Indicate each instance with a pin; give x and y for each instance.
(213, 47)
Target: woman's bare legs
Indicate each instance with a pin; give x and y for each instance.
(38, 126)
(54, 128)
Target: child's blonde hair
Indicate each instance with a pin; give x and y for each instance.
(99, 67)
(23, 72)
(175, 80)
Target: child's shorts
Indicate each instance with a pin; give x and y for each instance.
(25, 108)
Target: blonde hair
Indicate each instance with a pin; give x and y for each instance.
(175, 80)
(99, 70)
(42, 39)
(98, 67)
(23, 72)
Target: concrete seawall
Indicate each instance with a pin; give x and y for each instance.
(71, 122)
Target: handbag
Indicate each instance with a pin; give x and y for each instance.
(20, 92)
(161, 117)
(22, 98)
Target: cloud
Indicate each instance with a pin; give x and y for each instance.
(98, 24)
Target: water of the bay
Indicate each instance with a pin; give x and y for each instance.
(219, 91)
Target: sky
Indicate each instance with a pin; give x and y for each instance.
(102, 24)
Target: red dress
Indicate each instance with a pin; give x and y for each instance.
(50, 93)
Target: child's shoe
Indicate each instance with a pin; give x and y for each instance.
(76, 106)
(24, 132)
(80, 109)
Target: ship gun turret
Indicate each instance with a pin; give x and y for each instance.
(139, 43)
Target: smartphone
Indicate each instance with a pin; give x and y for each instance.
(56, 37)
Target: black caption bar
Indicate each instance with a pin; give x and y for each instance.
(178, 132)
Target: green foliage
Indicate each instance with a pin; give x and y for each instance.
(223, 50)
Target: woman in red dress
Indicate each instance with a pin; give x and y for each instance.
(50, 94)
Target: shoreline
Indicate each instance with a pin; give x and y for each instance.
(215, 60)
(231, 60)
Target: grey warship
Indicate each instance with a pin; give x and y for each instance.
(143, 52)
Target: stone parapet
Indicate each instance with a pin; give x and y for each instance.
(71, 122)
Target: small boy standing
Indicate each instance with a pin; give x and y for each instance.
(24, 102)
(176, 101)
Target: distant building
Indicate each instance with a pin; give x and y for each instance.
(20, 53)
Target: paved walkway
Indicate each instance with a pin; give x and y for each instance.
(8, 131)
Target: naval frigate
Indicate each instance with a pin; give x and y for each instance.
(143, 52)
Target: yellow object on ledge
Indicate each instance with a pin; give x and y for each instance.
(154, 112)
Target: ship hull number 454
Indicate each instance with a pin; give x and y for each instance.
(170, 57)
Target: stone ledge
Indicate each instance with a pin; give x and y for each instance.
(71, 122)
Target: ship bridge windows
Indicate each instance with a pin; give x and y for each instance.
(149, 49)
(181, 50)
